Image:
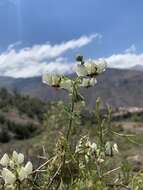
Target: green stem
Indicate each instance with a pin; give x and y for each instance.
(67, 136)
(71, 118)
(99, 124)
(18, 185)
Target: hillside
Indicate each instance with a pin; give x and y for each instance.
(20, 116)
(115, 87)
(137, 68)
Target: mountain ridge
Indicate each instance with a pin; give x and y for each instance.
(116, 87)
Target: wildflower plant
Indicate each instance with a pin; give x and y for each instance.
(14, 172)
(85, 152)
(79, 163)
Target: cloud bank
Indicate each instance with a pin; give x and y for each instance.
(35, 60)
(125, 60)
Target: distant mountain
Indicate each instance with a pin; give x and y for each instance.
(137, 68)
(115, 87)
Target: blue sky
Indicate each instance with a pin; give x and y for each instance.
(36, 22)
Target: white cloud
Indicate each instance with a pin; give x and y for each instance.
(33, 61)
(125, 60)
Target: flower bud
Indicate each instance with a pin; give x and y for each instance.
(115, 148)
(79, 58)
(108, 149)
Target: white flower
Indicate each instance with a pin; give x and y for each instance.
(87, 82)
(18, 157)
(22, 174)
(93, 147)
(111, 148)
(91, 67)
(66, 84)
(88, 144)
(51, 79)
(8, 176)
(93, 81)
(15, 155)
(4, 160)
(56, 80)
(81, 70)
(101, 66)
(25, 171)
(28, 168)
(47, 79)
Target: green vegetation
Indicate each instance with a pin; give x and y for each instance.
(20, 116)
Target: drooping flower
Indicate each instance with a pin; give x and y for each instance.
(8, 176)
(5, 160)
